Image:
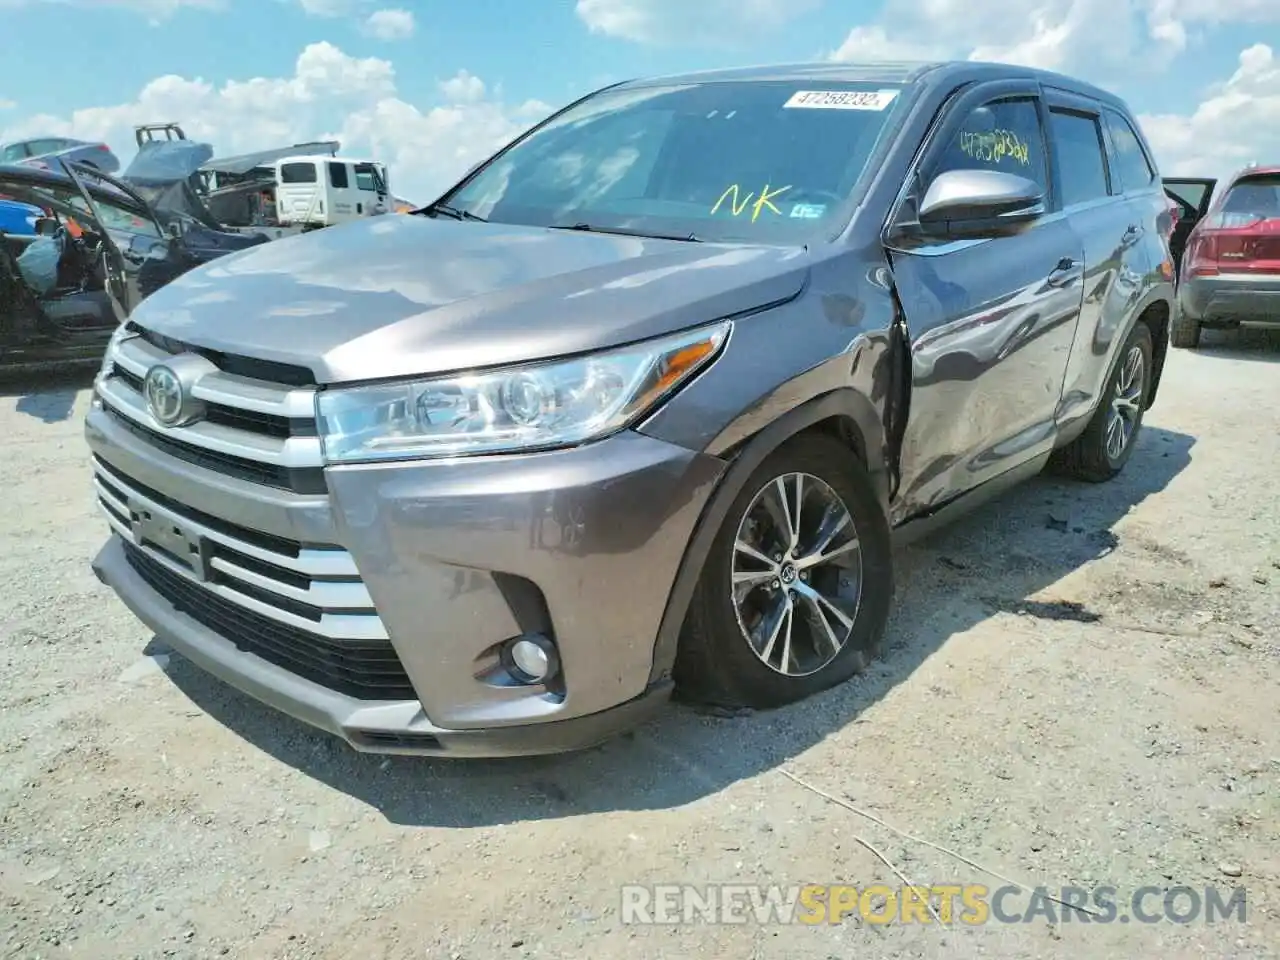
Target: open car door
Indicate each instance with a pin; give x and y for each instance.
(1192, 195)
(131, 233)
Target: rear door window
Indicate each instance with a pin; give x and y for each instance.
(14, 153)
(1001, 135)
(338, 176)
(1131, 166)
(1082, 164)
(297, 173)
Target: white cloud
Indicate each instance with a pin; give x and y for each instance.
(391, 24)
(1237, 123)
(154, 10)
(1112, 39)
(330, 94)
(1051, 34)
(463, 87)
(325, 8)
(666, 21)
(1214, 11)
(873, 43)
(8, 104)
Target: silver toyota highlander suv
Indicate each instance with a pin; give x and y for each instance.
(637, 405)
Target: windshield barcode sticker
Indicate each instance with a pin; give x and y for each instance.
(841, 99)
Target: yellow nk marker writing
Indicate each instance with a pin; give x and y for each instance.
(766, 198)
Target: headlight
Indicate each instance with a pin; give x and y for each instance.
(108, 361)
(530, 407)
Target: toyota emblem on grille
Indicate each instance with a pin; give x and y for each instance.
(163, 391)
(169, 389)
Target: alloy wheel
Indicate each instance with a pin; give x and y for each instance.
(796, 574)
(1126, 403)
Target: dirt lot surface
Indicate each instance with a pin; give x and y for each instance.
(1082, 688)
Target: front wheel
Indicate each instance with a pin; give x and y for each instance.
(797, 586)
(1104, 448)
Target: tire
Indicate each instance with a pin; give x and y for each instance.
(1090, 457)
(1184, 332)
(716, 663)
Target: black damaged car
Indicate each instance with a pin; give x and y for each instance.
(93, 252)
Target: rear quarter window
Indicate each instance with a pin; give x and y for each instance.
(1132, 167)
(298, 173)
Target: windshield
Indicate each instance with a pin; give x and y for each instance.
(725, 161)
(122, 223)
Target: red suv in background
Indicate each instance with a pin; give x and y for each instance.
(1229, 273)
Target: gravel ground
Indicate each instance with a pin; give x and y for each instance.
(1081, 689)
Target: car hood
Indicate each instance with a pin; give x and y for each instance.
(403, 295)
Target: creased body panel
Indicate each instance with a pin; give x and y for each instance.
(991, 326)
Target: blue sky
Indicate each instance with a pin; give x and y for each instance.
(389, 90)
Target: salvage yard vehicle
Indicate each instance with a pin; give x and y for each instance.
(322, 191)
(640, 403)
(100, 249)
(44, 153)
(276, 193)
(1230, 274)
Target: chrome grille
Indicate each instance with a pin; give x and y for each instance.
(313, 587)
(300, 606)
(254, 429)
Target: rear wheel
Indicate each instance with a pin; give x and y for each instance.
(1184, 332)
(796, 589)
(1104, 448)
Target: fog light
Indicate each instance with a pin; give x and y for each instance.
(532, 658)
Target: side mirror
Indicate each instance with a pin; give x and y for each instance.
(979, 203)
(175, 229)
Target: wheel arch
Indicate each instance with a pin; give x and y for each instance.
(844, 413)
(1157, 315)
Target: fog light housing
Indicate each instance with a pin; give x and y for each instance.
(531, 658)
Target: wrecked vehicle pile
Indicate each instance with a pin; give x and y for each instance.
(277, 193)
(91, 249)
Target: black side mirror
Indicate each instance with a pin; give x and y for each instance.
(979, 203)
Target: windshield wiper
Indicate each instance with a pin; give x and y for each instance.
(443, 209)
(590, 228)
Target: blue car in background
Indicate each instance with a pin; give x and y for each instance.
(45, 152)
(19, 218)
